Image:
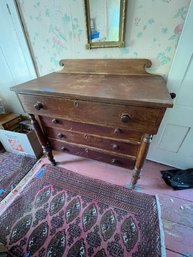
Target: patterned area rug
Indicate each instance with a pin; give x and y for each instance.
(13, 167)
(61, 213)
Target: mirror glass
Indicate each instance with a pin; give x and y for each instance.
(105, 23)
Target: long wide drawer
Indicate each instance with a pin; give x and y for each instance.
(94, 140)
(142, 119)
(104, 131)
(93, 153)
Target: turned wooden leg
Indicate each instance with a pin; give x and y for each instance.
(42, 139)
(141, 158)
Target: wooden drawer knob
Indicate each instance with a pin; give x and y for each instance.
(38, 106)
(173, 95)
(86, 136)
(60, 135)
(76, 104)
(125, 118)
(55, 121)
(64, 149)
(115, 147)
(117, 131)
(114, 161)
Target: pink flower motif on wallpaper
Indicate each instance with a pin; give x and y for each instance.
(78, 35)
(57, 41)
(137, 21)
(57, 29)
(178, 28)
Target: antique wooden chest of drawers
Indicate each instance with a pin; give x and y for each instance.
(105, 110)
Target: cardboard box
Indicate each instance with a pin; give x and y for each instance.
(21, 143)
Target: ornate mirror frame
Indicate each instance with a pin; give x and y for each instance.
(105, 44)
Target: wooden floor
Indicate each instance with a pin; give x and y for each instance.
(176, 206)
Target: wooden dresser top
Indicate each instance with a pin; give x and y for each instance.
(110, 81)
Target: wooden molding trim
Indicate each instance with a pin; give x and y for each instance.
(106, 66)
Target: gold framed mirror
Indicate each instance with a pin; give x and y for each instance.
(105, 23)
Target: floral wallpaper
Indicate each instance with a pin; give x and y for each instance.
(57, 30)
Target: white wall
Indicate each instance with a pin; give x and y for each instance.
(15, 61)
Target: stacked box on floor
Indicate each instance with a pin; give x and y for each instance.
(17, 136)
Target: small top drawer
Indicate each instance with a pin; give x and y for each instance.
(138, 118)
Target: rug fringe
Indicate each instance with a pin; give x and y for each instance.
(9, 199)
(162, 237)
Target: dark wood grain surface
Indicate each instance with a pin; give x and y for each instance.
(121, 160)
(143, 89)
(139, 118)
(103, 131)
(99, 142)
(106, 66)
